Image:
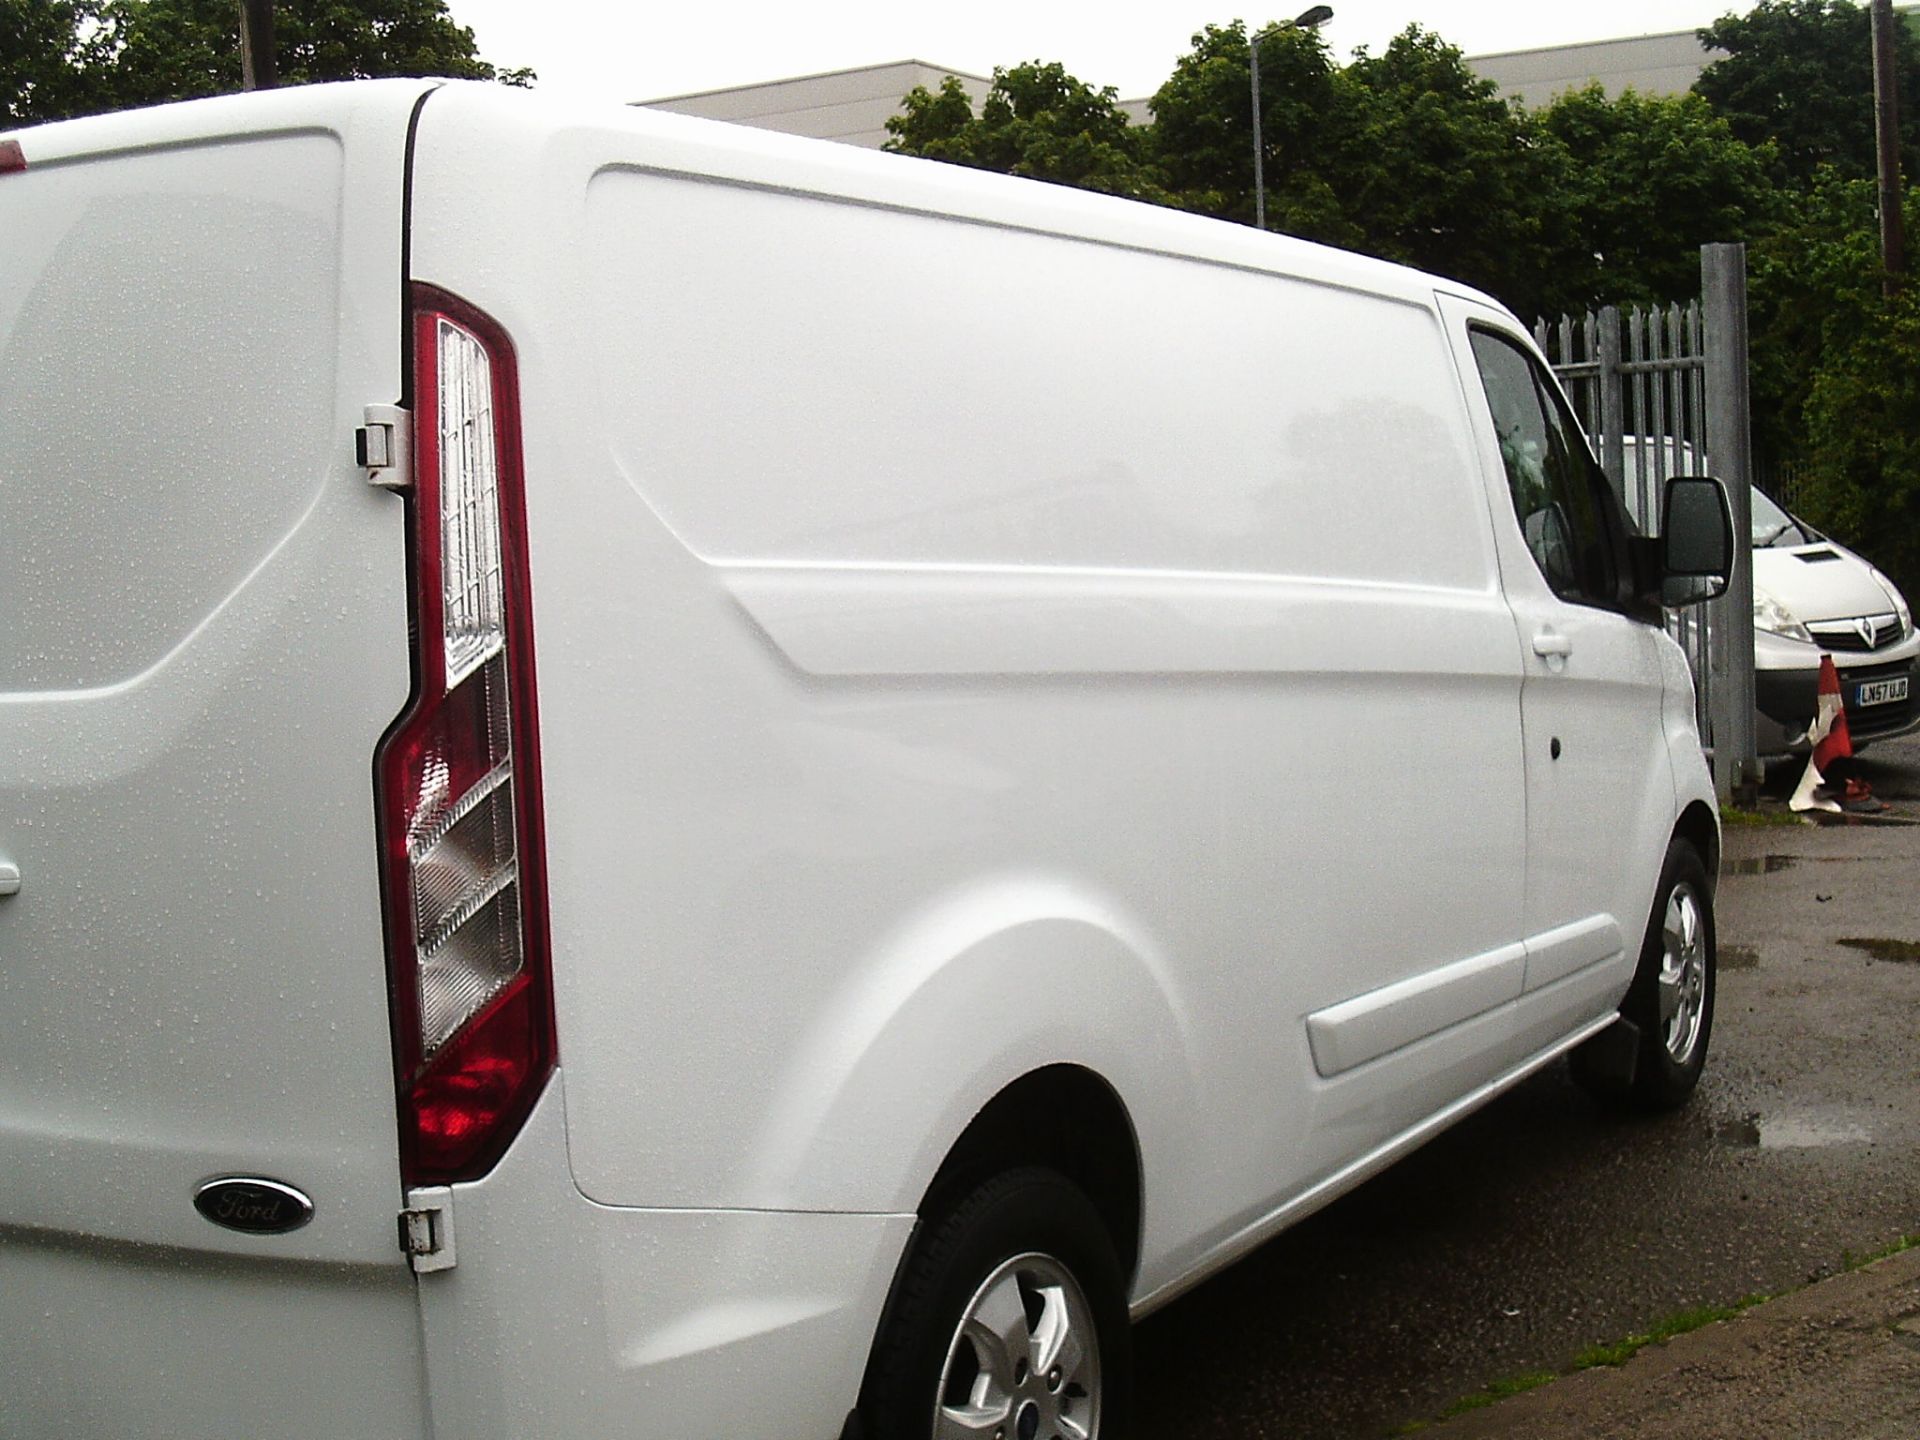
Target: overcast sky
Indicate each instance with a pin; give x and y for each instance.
(648, 50)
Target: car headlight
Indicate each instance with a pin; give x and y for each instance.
(1899, 600)
(1774, 618)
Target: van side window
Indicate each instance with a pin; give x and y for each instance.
(1558, 493)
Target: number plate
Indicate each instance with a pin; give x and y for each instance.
(1881, 692)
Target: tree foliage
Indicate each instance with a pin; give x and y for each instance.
(1836, 371)
(44, 58)
(1203, 123)
(1799, 74)
(77, 57)
(1037, 121)
(1863, 435)
(1447, 175)
(1636, 185)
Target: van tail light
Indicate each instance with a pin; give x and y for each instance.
(462, 847)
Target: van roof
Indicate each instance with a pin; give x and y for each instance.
(905, 182)
(218, 117)
(633, 135)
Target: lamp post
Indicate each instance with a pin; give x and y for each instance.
(1309, 20)
(1886, 124)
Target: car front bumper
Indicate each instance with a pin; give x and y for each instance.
(1786, 685)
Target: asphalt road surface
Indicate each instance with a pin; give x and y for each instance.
(1544, 1224)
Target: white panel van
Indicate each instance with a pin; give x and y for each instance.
(661, 780)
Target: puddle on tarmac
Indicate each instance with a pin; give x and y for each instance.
(1737, 957)
(1792, 1132)
(1760, 864)
(1897, 950)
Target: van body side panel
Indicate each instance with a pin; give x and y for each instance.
(971, 699)
(568, 1318)
(205, 635)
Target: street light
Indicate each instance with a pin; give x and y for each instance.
(1309, 20)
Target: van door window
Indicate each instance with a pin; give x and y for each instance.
(1559, 495)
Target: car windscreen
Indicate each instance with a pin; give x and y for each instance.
(1774, 526)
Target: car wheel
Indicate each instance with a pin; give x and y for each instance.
(1009, 1320)
(1670, 1002)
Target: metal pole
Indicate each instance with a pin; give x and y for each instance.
(257, 68)
(1308, 20)
(1259, 167)
(1613, 408)
(1723, 288)
(1886, 125)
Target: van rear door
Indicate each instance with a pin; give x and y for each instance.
(203, 635)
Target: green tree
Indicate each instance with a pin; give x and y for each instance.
(84, 56)
(934, 124)
(1036, 121)
(1812, 282)
(1863, 436)
(46, 53)
(1310, 125)
(1446, 175)
(1639, 183)
(1799, 73)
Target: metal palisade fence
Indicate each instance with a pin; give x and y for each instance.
(1662, 391)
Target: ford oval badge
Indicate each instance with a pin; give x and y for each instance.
(252, 1204)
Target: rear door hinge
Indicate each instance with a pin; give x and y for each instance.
(426, 1229)
(384, 447)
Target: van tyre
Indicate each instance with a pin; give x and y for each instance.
(1670, 1002)
(1009, 1318)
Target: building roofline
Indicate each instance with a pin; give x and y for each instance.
(1907, 7)
(1586, 44)
(815, 75)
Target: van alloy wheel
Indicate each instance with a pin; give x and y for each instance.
(1008, 1320)
(1024, 1362)
(1683, 973)
(1654, 1061)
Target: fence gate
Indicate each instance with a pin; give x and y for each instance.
(1663, 392)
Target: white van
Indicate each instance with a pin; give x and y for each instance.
(659, 780)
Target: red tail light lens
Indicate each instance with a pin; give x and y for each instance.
(459, 779)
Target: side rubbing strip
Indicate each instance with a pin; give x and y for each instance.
(1381, 1021)
(1556, 954)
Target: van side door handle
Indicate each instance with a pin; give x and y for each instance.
(1551, 644)
(9, 878)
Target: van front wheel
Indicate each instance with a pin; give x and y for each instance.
(1010, 1319)
(1671, 999)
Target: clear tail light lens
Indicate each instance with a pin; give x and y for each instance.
(459, 774)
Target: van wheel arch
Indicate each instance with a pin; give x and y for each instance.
(1700, 828)
(1064, 1118)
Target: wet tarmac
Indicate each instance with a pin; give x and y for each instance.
(1545, 1224)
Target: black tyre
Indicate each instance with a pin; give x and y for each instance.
(1009, 1317)
(1670, 1002)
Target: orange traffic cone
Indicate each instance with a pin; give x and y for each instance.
(1831, 739)
(1832, 744)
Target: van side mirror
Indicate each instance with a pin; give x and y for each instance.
(1696, 541)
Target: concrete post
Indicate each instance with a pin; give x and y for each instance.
(1723, 290)
(1613, 408)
